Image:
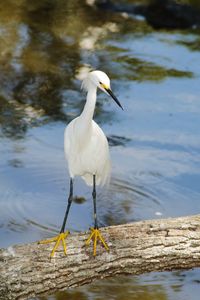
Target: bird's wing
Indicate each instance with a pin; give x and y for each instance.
(69, 137)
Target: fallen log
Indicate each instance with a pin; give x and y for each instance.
(27, 271)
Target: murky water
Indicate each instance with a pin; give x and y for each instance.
(45, 49)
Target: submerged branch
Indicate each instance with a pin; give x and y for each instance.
(146, 246)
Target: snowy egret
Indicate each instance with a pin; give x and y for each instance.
(87, 153)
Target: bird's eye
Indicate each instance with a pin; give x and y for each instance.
(100, 82)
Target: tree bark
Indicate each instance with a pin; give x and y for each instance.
(158, 245)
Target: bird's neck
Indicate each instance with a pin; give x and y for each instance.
(88, 110)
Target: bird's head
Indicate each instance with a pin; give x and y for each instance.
(101, 80)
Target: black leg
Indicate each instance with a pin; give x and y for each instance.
(70, 198)
(94, 201)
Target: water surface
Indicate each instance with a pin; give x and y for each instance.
(46, 47)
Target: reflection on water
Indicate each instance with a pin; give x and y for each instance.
(159, 286)
(45, 48)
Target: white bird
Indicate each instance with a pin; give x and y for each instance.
(87, 153)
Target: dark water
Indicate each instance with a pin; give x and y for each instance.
(45, 49)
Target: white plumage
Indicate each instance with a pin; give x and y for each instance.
(87, 152)
(85, 144)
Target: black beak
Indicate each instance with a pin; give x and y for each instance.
(114, 97)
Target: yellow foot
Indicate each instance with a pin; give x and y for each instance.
(95, 233)
(57, 239)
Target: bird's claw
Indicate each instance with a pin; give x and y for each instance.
(57, 239)
(95, 234)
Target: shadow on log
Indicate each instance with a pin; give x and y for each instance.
(158, 245)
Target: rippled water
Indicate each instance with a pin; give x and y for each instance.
(154, 143)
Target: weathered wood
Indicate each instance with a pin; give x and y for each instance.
(158, 245)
